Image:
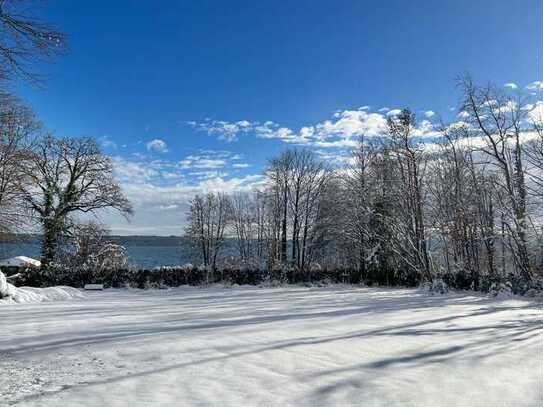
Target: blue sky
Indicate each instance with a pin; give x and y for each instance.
(196, 95)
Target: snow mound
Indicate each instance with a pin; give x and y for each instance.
(20, 261)
(9, 294)
(6, 289)
(501, 291)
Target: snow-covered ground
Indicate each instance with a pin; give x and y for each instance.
(272, 347)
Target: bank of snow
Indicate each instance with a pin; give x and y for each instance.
(9, 294)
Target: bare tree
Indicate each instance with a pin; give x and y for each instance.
(461, 205)
(279, 175)
(24, 40)
(66, 177)
(410, 161)
(307, 178)
(498, 120)
(206, 226)
(358, 197)
(244, 222)
(17, 130)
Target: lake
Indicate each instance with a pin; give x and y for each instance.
(143, 251)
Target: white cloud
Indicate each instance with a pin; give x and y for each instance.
(208, 159)
(394, 112)
(208, 163)
(342, 143)
(351, 123)
(133, 171)
(511, 85)
(536, 85)
(157, 145)
(160, 195)
(241, 165)
(106, 142)
(429, 113)
(225, 131)
(203, 175)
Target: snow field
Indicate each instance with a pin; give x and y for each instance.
(247, 346)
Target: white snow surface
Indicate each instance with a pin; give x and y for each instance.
(331, 346)
(20, 261)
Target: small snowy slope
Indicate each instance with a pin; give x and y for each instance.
(29, 295)
(272, 347)
(9, 294)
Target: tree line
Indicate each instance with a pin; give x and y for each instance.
(407, 207)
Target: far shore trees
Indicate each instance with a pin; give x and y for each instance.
(66, 177)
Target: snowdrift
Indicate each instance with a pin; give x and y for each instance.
(20, 261)
(9, 294)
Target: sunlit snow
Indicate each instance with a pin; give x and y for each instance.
(292, 346)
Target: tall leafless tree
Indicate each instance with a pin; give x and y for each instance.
(206, 226)
(18, 128)
(410, 161)
(498, 119)
(65, 177)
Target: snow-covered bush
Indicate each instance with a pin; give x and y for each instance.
(88, 250)
(501, 289)
(437, 286)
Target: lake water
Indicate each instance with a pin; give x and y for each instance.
(143, 251)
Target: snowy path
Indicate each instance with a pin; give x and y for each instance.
(272, 347)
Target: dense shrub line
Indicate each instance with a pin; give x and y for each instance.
(165, 277)
(171, 277)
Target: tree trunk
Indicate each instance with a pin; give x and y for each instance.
(49, 244)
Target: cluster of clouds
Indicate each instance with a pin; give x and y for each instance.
(533, 86)
(161, 189)
(141, 168)
(208, 159)
(342, 131)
